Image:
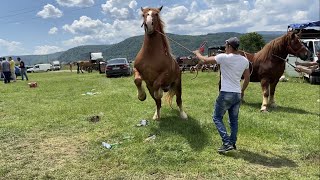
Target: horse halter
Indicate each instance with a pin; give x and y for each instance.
(295, 52)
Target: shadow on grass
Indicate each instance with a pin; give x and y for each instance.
(190, 129)
(272, 160)
(279, 108)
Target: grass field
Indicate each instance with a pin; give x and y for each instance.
(45, 132)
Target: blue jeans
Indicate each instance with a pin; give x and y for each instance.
(23, 73)
(227, 101)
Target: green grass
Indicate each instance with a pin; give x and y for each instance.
(45, 132)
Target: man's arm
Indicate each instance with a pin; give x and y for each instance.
(205, 59)
(306, 63)
(246, 80)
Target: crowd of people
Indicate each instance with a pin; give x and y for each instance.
(8, 69)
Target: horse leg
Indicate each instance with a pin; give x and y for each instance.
(156, 115)
(265, 91)
(178, 89)
(272, 102)
(138, 82)
(158, 83)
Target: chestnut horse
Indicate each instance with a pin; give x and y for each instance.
(155, 65)
(268, 64)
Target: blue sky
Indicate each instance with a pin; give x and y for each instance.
(48, 26)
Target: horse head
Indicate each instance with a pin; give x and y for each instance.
(296, 47)
(151, 19)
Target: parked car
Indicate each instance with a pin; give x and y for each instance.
(118, 67)
(42, 68)
(29, 69)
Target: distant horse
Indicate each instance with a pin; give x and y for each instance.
(268, 64)
(84, 65)
(155, 65)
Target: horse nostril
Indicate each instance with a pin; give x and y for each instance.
(152, 23)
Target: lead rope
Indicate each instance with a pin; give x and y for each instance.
(181, 46)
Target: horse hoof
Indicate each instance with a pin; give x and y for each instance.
(155, 117)
(264, 110)
(273, 105)
(142, 97)
(183, 116)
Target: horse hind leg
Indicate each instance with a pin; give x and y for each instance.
(272, 103)
(178, 92)
(138, 82)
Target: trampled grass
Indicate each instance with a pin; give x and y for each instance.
(45, 132)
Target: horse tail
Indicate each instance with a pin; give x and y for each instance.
(169, 96)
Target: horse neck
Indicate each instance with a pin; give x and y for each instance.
(155, 42)
(277, 47)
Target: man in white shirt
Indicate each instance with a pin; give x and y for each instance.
(232, 67)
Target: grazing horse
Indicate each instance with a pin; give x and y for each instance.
(268, 64)
(155, 65)
(84, 65)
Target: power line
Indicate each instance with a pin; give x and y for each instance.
(23, 20)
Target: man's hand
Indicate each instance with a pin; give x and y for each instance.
(298, 69)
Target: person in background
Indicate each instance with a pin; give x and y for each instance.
(312, 68)
(22, 69)
(5, 67)
(12, 69)
(232, 66)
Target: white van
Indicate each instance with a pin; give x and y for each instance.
(42, 68)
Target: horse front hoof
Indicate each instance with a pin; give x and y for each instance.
(156, 117)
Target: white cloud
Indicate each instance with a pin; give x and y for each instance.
(85, 25)
(46, 49)
(91, 31)
(75, 3)
(10, 46)
(53, 30)
(49, 11)
(119, 9)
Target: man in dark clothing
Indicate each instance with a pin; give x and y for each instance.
(5, 67)
(22, 69)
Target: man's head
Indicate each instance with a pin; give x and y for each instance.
(233, 43)
(18, 59)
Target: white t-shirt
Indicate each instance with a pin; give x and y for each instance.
(232, 67)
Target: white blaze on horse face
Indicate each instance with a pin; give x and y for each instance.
(149, 22)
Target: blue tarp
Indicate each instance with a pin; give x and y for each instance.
(304, 25)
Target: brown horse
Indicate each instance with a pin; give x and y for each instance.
(84, 65)
(155, 65)
(268, 64)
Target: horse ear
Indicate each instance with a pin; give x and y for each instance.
(160, 8)
(141, 9)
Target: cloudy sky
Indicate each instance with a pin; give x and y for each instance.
(48, 26)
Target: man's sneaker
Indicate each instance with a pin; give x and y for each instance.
(225, 148)
(234, 146)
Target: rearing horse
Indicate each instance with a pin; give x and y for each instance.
(269, 64)
(155, 65)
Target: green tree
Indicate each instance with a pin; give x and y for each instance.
(251, 42)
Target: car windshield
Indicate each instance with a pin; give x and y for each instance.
(117, 61)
